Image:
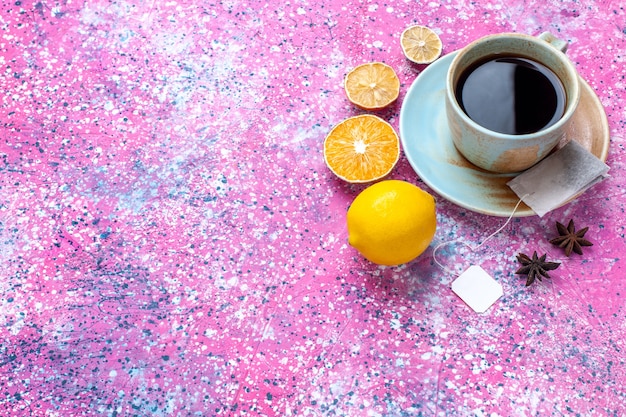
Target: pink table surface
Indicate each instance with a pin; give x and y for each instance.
(172, 243)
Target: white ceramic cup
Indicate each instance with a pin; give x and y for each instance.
(502, 152)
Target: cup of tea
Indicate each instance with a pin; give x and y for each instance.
(509, 99)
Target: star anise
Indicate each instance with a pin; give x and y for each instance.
(535, 267)
(570, 239)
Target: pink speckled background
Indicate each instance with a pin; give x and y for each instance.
(172, 244)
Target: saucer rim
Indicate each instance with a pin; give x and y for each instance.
(489, 209)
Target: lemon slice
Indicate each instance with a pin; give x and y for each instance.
(420, 44)
(361, 149)
(372, 86)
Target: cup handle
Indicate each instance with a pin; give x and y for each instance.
(559, 44)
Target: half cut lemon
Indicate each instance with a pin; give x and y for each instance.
(372, 86)
(362, 148)
(420, 44)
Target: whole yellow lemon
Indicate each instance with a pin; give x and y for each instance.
(392, 222)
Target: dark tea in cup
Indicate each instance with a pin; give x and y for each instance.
(509, 99)
(511, 94)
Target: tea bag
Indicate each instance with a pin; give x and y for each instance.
(559, 177)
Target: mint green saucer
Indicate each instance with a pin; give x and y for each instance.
(428, 145)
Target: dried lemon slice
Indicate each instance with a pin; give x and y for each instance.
(372, 86)
(420, 44)
(362, 148)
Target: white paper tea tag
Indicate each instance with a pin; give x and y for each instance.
(477, 288)
(559, 177)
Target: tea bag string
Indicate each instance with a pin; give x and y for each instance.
(470, 247)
